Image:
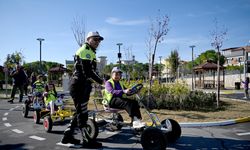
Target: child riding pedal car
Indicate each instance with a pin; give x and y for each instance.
(50, 98)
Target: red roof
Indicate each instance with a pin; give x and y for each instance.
(247, 48)
(58, 69)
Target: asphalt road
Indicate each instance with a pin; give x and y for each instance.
(21, 133)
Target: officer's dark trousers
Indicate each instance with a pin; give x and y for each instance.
(13, 92)
(80, 91)
(131, 106)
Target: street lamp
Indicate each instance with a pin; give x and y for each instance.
(119, 54)
(192, 46)
(40, 62)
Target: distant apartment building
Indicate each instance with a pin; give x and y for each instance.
(101, 63)
(235, 55)
(129, 62)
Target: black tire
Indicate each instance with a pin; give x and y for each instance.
(153, 139)
(175, 134)
(117, 121)
(47, 123)
(25, 110)
(37, 116)
(92, 129)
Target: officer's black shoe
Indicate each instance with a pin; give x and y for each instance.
(70, 139)
(10, 101)
(92, 145)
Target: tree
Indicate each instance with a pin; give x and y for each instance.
(158, 30)
(209, 55)
(13, 59)
(218, 37)
(78, 29)
(174, 62)
(34, 66)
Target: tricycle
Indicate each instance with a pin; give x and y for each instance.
(155, 135)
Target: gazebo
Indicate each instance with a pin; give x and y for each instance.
(206, 75)
(56, 73)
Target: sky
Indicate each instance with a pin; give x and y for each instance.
(119, 21)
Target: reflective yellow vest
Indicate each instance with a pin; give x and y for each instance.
(51, 97)
(107, 95)
(39, 86)
(86, 53)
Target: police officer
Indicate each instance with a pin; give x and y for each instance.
(80, 88)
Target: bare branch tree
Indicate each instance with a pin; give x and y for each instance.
(78, 29)
(218, 37)
(149, 44)
(158, 30)
(128, 53)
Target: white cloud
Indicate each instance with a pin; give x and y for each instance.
(117, 21)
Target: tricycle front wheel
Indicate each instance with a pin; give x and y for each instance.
(153, 139)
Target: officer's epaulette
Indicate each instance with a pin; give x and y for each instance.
(87, 47)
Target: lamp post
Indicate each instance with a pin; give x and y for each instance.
(40, 62)
(119, 54)
(192, 46)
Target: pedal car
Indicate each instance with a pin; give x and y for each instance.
(154, 135)
(34, 102)
(48, 119)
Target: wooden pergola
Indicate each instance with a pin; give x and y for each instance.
(208, 68)
(56, 74)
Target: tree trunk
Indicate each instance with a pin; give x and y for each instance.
(218, 77)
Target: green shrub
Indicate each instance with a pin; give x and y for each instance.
(177, 96)
(174, 96)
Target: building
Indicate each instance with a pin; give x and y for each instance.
(129, 62)
(235, 56)
(101, 63)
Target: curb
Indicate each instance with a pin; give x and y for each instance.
(218, 123)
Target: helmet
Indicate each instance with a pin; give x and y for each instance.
(116, 69)
(94, 34)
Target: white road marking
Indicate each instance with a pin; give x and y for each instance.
(69, 145)
(37, 138)
(13, 108)
(4, 118)
(5, 114)
(111, 133)
(7, 124)
(246, 133)
(17, 131)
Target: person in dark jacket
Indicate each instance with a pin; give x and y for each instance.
(246, 87)
(19, 79)
(80, 88)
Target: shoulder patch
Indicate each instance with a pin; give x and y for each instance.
(88, 56)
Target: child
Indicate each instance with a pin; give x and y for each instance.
(50, 98)
(38, 86)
